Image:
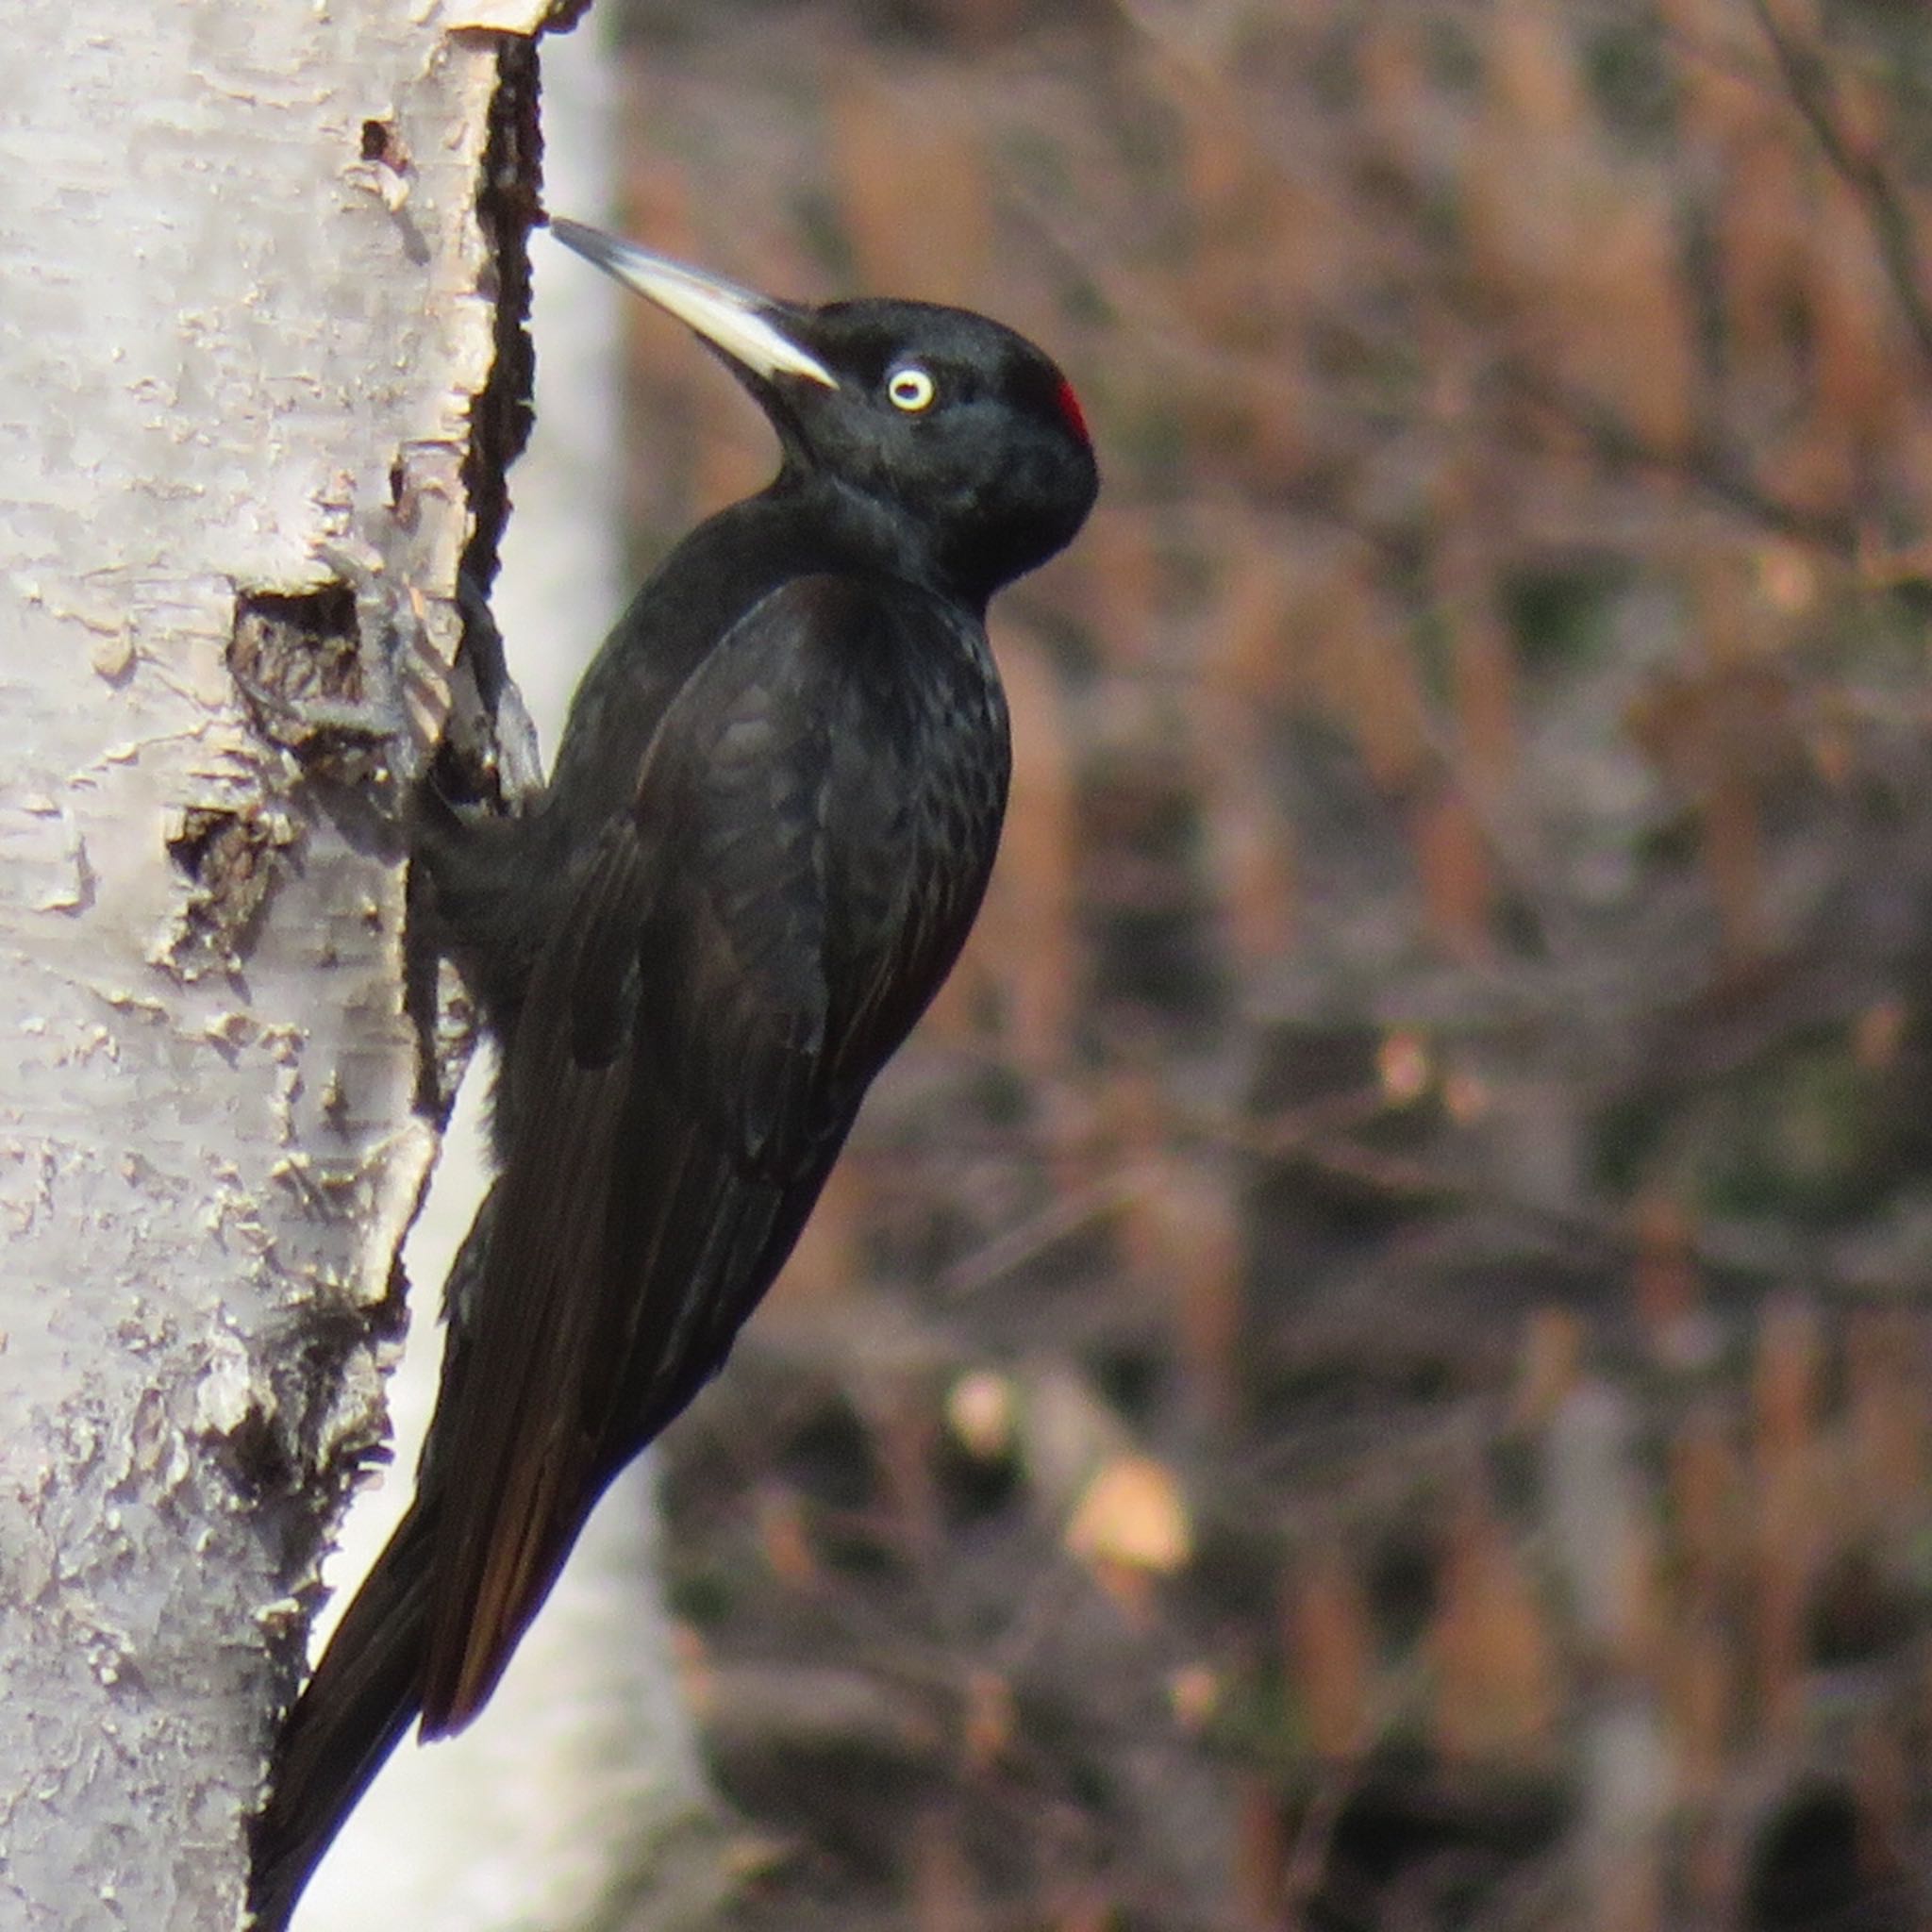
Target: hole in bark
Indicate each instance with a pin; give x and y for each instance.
(230, 858)
(190, 847)
(316, 616)
(380, 143)
(294, 650)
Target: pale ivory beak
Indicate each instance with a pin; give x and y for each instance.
(738, 321)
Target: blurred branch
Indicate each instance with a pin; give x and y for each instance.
(1066, 1217)
(1712, 469)
(1811, 87)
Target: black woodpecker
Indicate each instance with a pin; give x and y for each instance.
(774, 806)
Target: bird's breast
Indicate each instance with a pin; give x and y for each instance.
(920, 765)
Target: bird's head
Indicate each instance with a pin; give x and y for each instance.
(948, 435)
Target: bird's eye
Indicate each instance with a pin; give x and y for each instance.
(911, 388)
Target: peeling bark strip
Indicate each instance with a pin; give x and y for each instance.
(250, 313)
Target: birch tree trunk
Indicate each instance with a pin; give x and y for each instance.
(247, 319)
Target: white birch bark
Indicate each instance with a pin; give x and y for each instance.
(245, 306)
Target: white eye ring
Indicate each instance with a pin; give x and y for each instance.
(910, 389)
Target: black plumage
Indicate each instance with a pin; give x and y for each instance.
(772, 815)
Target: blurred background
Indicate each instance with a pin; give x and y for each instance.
(1366, 1369)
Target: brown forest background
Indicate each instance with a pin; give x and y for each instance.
(1368, 1368)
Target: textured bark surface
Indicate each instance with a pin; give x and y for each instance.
(248, 310)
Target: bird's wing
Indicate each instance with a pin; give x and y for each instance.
(677, 1100)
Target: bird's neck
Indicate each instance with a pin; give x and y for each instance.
(866, 535)
(796, 527)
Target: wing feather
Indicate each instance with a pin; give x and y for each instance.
(682, 1077)
(686, 1049)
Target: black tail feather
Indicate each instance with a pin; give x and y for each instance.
(363, 1696)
